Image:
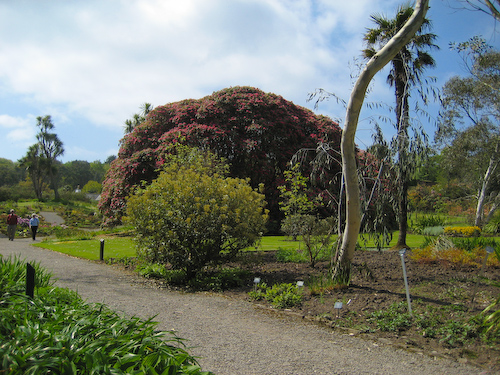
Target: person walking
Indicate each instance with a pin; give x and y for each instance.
(34, 223)
(11, 225)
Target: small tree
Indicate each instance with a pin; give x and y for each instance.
(191, 218)
(296, 201)
(300, 207)
(342, 269)
(469, 125)
(138, 118)
(92, 187)
(34, 164)
(51, 148)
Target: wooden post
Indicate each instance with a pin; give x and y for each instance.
(101, 252)
(30, 280)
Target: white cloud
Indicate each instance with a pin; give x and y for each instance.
(108, 58)
(97, 61)
(17, 129)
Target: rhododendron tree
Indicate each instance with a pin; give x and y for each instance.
(256, 132)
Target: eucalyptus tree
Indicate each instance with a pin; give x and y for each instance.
(491, 7)
(406, 73)
(342, 268)
(469, 125)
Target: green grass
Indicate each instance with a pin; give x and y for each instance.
(448, 220)
(269, 243)
(122, 247)
(412, 240)
(90, 249)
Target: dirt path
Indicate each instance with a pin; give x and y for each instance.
(232, 337)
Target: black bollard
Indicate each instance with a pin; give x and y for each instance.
(101, 253)
(30, 280)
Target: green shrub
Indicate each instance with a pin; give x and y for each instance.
(426, 221)
(56, 332)
(191, 218)
(281, 296)
(92, 187)
(469, 244)
(433, 231)
(154, 271)
(220, 280)
(493, 226)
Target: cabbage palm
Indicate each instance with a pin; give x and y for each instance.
(406, 72)
(33, 162)
(51, 147)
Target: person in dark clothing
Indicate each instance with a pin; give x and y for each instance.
(34, 223)
(11, 225)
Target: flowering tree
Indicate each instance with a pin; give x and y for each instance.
(256, 132)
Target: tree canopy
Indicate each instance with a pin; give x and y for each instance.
(469, 125)
(256, 132)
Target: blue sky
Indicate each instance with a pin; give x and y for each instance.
(91, 64)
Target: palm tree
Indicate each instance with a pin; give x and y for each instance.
(138, 118)
(34, 164)
(406, 71)
(51, 148)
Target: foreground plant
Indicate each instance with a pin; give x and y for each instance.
(55, 332)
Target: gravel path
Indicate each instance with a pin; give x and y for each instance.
(232, 337)
(52, 217)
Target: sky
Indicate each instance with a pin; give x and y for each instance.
(91, 64)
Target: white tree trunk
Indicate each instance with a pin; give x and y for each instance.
(492, 166)
(348, 147)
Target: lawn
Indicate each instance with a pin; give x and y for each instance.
(114, 247)
(121, 247)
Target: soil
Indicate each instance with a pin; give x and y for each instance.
(378, 283)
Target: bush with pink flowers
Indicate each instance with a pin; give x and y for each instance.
(256, 132)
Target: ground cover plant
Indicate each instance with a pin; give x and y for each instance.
(56, 332)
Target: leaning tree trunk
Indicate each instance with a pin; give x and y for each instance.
(492, 166)
(342, 267)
